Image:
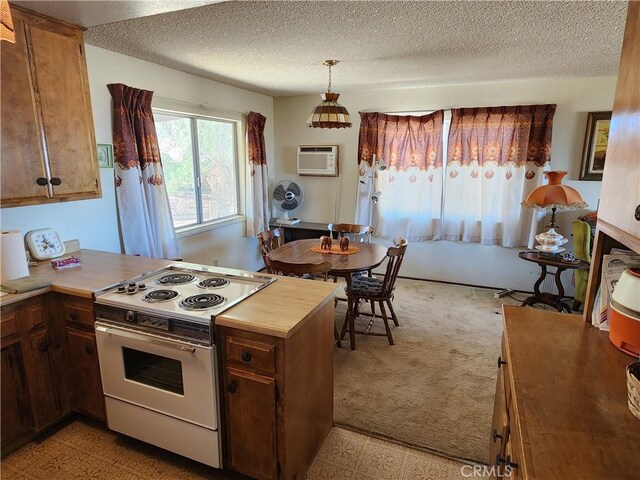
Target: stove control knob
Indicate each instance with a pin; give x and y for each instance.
(130, 316)
(142, 286)
(122, 289)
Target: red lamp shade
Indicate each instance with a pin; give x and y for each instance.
(554, 194)
(7, 30)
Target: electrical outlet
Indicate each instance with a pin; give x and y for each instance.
(503, 293)
(214, 262)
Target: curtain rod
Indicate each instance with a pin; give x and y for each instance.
(203, 105)
(393, 112)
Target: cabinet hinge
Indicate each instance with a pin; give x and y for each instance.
(277, 394)
(278, 470)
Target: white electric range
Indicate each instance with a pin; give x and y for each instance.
(157, 353)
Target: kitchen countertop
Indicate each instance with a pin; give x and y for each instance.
(569, 391)
(97, 271)
(278, 310)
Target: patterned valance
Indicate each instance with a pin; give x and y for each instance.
(401, 141)
(501, 135)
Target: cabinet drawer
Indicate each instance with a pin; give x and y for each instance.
(258, 355)
(504, 368)
(9, 325)
(78, 312)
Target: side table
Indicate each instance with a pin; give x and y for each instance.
(554, 300)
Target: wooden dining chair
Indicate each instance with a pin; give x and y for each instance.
(310, 271)
(269, 240)
(354, 232)
(374, 290)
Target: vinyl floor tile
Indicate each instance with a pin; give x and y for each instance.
(86, 450)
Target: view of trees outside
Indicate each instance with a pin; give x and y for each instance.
(216, 148)
(176, 152)
(217, 169)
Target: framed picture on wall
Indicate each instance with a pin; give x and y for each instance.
(595, 145)
(105, 155)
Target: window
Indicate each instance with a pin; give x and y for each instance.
(199, 158)
(459, 175)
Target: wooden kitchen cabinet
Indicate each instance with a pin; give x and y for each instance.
(620, 195)
(83, 368)
(561, 402)
(16, 411)
(619, 210)
(48, 145)
(30, 400)
(252, 416)
(277, 397)
(85, 377)
(504, 454)
(49, 365)
(41, 379)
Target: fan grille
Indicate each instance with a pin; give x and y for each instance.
(288, 195)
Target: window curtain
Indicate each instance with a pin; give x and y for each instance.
(257, 181)
(496, 157)
(404, 198)
(146, 225)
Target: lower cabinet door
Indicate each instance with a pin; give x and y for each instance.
(16, 415)
(40, 379)
(251, 423)
(84, 373)
(497, 439)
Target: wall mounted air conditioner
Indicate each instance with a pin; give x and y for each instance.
(318, 160)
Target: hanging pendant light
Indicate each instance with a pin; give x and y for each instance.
(7, 31)
(329, 114)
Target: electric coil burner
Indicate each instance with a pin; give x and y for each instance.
(202, 301)
(176, 279)
(214, 282)
(162, 295)
(182, 303)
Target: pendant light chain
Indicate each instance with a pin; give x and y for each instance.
(329, 87)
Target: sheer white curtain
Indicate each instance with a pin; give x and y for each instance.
(496, 157)
(400, 174)
(146, 224)
(257, 209)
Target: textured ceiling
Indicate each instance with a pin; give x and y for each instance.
(277, 47)
(97, 12)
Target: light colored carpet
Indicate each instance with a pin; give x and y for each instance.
(434, 388)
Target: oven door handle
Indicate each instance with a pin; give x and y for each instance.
(144, 338)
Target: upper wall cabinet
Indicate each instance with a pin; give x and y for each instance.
(620, 195)
(48, 143)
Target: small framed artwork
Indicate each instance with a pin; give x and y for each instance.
(595, 145)
(105, 155)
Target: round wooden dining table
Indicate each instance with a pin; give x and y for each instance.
(299, 251)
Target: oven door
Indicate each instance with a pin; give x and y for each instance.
(165, 375)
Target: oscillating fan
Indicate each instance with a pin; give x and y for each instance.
(288, 197)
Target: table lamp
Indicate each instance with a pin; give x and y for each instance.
(553, 196)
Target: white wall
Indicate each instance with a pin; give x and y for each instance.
(94, 222)
(442, 260)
